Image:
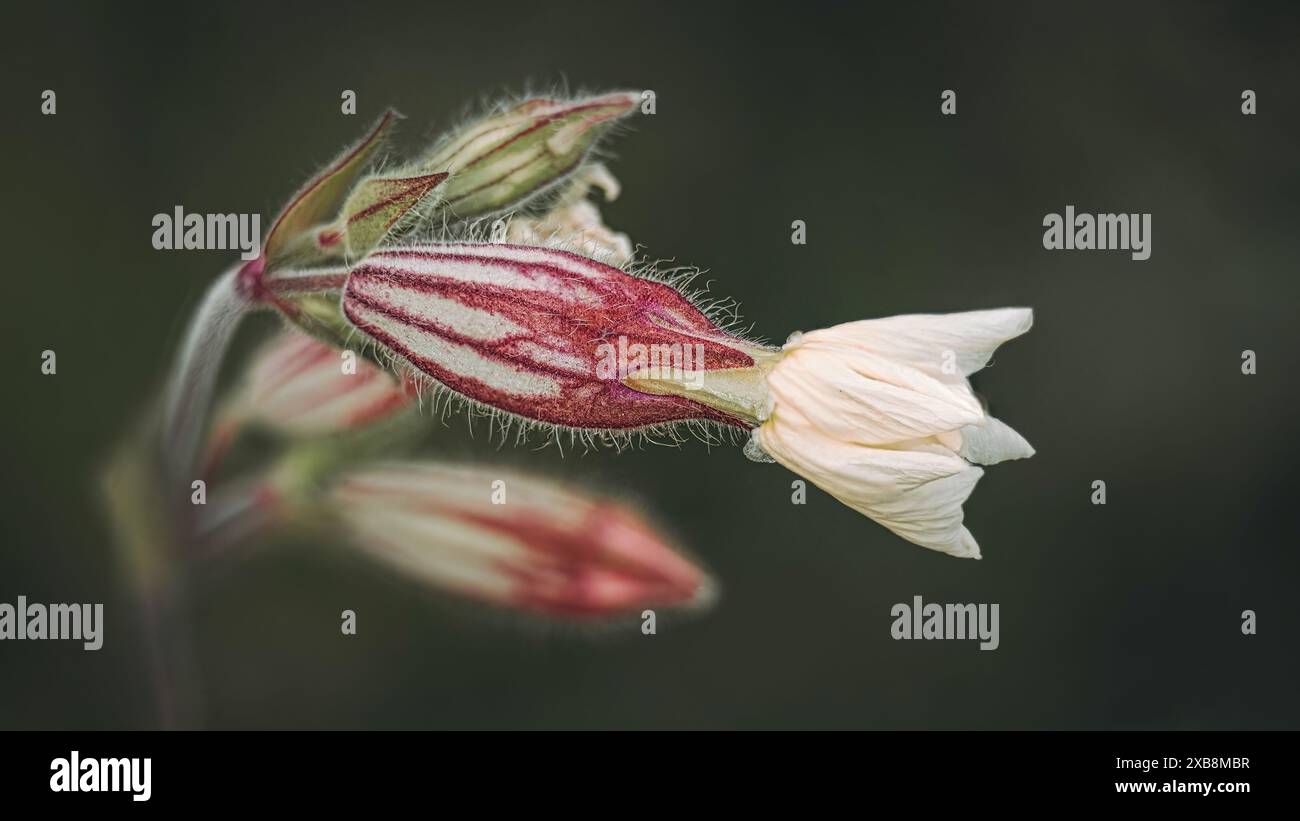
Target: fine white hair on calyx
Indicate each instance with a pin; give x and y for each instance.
(494, 105)
(723, 312)
(443, 403)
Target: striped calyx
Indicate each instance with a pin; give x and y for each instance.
(554, 337)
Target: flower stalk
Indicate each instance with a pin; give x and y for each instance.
(194, 375)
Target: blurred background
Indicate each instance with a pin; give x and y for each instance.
(1118, 616)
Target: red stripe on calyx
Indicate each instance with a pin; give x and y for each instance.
(410, 189)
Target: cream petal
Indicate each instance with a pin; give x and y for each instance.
(924, 340)
(856, 396)
(917, 494)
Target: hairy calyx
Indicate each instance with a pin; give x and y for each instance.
(555, 337)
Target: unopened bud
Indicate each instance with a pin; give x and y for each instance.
(299, 386)
(544, 548)
(501, 161)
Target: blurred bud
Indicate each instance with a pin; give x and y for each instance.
(301, 387)
(504, 159)
(554, 337)
(544, 548)
(575, 222)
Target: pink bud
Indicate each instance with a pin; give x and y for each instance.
(515, 541)
(547, 335)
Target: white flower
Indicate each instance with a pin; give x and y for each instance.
(880, 414)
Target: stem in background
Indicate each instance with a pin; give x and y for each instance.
(189, 390)
(237, 515)
(153, 567)
(169, 672)
(242, 510)
(185, 411)
(233, 517)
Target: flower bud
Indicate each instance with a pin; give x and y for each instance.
(880, 414)
(515, 541)
(301, 387)
(553, 337)
(506, 158)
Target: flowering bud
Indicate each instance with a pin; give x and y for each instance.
(515, 541)
(301, 387)
(553, 337)
(880, 414)
(504, 159)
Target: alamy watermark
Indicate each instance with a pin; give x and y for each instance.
(208, 232)
(77, 774)
(946, 621)
(78, 622)
(1100, 232)
(670, 362)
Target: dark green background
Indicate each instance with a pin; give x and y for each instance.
(1125, 615)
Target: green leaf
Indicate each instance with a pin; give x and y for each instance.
(321, 198)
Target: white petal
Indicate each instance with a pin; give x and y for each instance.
(917, 494)
(963, 341)
(856, 396)
(993, 442)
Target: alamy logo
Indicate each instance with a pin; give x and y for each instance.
(82, 622)
(75, 774)
(675, 362)
(946, 621)
(208, 232)
(1102, 232)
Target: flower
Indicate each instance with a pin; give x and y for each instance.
(506, 158)
(551, 336)
(515, 541)
(880, 414)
